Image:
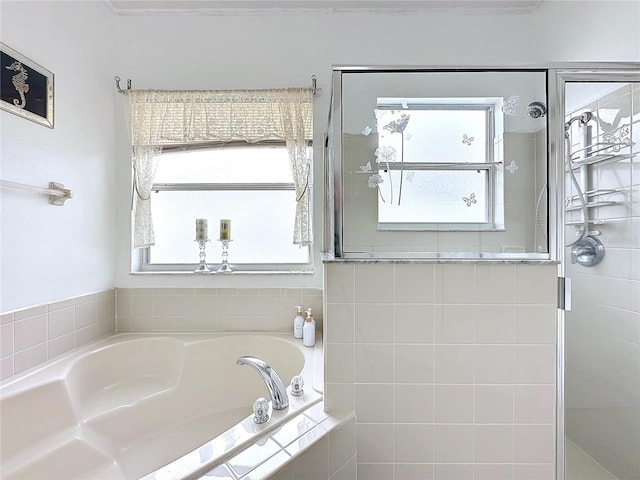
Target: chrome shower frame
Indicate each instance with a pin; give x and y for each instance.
(558, 78)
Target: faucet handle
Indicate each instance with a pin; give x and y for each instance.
(296, 386)
(261, 410)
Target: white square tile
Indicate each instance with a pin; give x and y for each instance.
(61, 344)
(269, 467)
(6, 340)
(293, 429)
(414, 471)
(340, 283)
(494, 364)
(534, 444)
(374, 323)
(453, 444)
(453, 363)
(374, 402)
(536, 284)
(535, 403)
(495, 284)
(253, 456)
(494, 472)
(414, 283)
(339, 397)
(413, 364)
(342, 446)
(339, 363)
(453, 403)
(61, 322)
(535, 472)
(374, 363)
(86, 314)
(30, 357)
(454, 284)
(29, 332)
(495, 323)
(414, 323)
(536, 324)
(493, 444)
(339, 323)
(413, 403)
(374, 471)
(453, 472)
(374, 283)
(6, 367)
(535, 364)
(493, 404)
(414, 443)
(375, 442)
(454, 324)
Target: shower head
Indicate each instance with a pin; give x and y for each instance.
(536, 110)
(584, 118)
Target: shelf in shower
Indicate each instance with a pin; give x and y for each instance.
(599, 155)
(590, 222)
(590, 205)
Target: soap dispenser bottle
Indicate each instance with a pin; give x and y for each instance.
(298, 323)
(309, 331)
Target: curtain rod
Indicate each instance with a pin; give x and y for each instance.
(314, 84)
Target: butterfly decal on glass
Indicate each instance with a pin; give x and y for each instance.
(512, 167)
(365, 168)
(467, 140)
(510, 106)
(619, 138)
(470, 199)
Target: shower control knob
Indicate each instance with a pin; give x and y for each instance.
(296, 386)
(261, 410)
(536, 110)
(587, 252)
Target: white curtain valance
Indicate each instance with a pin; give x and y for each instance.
(163, 117)
(159, 117)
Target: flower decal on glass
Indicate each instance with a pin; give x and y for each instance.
(385, 154)
(398, 125)
(510, 106)
(512, 167)
(467, 140)
(471, 199)
(375, 180)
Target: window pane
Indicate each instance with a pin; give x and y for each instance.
(261, 226)
(434, 196)
(442, 135)
(225, 165)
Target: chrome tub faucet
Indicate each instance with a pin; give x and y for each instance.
(277, 390)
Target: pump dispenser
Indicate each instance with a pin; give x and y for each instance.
(298, 323)
(309, 331)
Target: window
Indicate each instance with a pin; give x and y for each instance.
(439, 164)
(251, 184)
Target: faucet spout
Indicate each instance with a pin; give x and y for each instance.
(272, 380)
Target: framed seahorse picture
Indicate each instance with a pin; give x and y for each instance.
(26, 88)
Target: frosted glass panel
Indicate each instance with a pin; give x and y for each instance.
(436, 136)
(264, 238)
(436, 196)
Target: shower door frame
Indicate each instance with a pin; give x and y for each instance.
(558, 78)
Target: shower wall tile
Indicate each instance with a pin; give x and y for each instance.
(33, 335)
(442, 377)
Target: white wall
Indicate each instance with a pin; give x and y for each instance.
(85, 46)
(270, 51)
(48, 252)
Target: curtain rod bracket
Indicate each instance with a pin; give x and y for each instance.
(120, 90)
(314, 84)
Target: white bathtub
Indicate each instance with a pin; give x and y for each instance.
(128, 406)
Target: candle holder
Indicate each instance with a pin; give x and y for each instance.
(224, 267)
(202, 266)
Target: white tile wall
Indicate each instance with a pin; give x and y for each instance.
(31, 336)
(213, 309)
(450, 368)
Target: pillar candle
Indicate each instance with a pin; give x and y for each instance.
(201, 230)
(225, 229)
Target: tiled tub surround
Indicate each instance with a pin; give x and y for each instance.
(132, 403)
(213, 309)
(34, 335)
(449, 368)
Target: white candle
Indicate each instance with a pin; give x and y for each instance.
(201, 230)
(225, 229)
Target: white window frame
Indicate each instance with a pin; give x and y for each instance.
(213, 255)
(495, 169)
